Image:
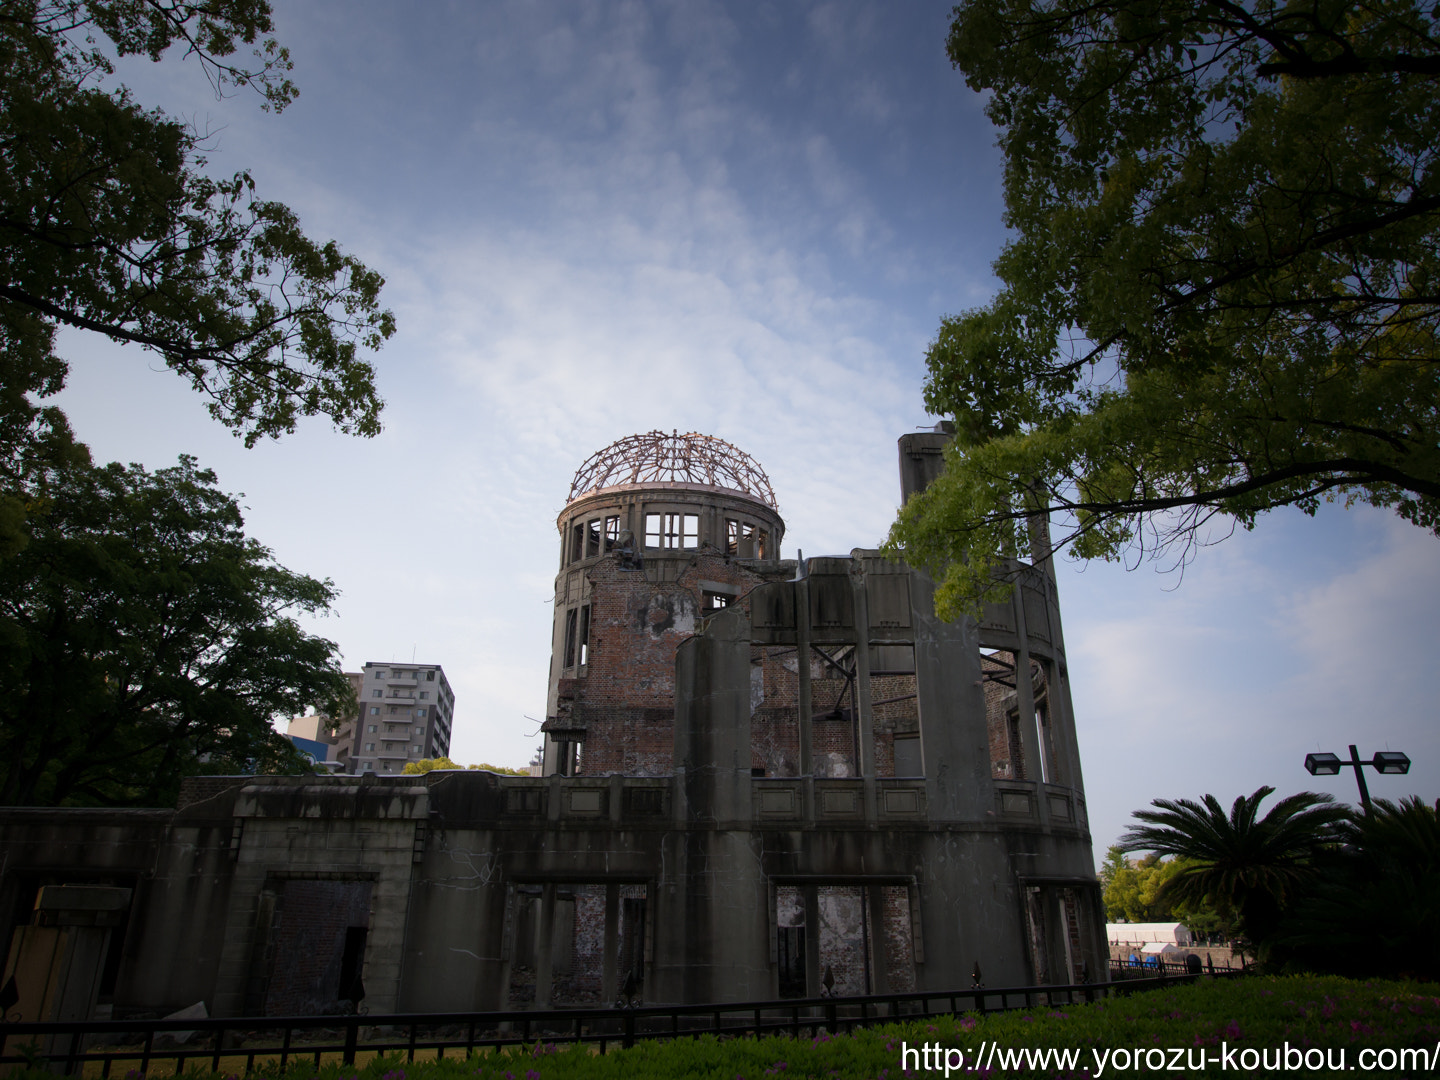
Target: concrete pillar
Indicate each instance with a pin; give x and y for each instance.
(804, 708)
(712, 719)
(954, 736)
(1035, 763)
(545, 948)
(1062, 725)
(866, 761)
(610, 977)
(879, 953)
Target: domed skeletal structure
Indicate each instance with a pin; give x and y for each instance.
(691, 458)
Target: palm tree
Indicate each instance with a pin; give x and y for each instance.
(1247, 866)
(1376, 910)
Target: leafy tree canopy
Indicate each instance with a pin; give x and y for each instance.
(424, 765)
(145, 638)
(1223, 290)
(1136, 891)
(1376, 907)
(1246, 867)
(109, 222)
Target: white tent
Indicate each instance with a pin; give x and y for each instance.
(1167, 933)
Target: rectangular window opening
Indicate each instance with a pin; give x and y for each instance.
(584, 635)
(652, 531)
(612, 533)
(592, 538)
(571, 617)
(577, 541)
(732, 536)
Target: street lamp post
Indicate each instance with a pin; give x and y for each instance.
(1390, 762)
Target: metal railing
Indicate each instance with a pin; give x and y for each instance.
(140, 1044)
(1130, 969)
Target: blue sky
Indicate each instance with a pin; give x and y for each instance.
(597, 219)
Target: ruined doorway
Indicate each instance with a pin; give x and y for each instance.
(312, 946)
(844, 935)
(843, 939)
(594, 950)
(791, 953)
(630, 966)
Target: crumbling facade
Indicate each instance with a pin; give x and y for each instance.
(763, 778)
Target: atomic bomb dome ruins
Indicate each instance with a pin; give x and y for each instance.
(761, 775)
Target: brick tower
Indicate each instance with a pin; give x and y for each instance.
(658, 531)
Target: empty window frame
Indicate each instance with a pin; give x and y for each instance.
(672, 530)
(592, 538)
(732, 536)
(584, 635)
(571, 627)
(577, 541)
(612, 532)
(757, 535)
(714, 601)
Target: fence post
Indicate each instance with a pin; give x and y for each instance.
(629, 1030)
(352, 1035)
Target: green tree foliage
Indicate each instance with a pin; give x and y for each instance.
(1376, 909)
(144, 638)
(110, 222)
(1135, 891)
(424, 765)
(1223, 290)
(1247, 867)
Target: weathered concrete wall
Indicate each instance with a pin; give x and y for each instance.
(821, 774)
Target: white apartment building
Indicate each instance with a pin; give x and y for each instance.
(406, 712)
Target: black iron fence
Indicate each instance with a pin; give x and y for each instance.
(235, 1045)
(1155, 966)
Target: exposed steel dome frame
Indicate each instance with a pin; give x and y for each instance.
(657, 458)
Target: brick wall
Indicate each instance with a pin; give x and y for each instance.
(625, 699)
(308, 941)
(896, 933)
